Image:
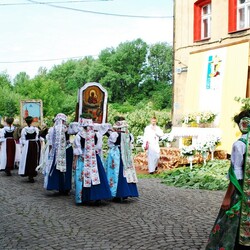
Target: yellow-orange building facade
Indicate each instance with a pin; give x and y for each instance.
(211, 61)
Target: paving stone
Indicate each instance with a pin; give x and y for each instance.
(165, 218)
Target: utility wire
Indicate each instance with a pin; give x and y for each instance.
(46, 60)
(96, 12)
(79, 1)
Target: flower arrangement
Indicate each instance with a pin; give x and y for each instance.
(188, 151)
(167, 137)
(207, 117)
(213, 141)
(201, 117)
(202, 147)
(189, 118)
(139, 139)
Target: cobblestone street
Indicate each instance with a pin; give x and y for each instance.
(161, 218)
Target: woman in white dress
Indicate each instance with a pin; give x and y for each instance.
(8, 147)
(31, 150)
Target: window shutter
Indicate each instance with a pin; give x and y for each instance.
(232, 15)
(197, 18)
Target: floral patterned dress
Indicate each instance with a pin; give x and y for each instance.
(91, 182)
(231, 229)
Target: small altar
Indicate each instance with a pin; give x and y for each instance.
(171, 158)
(197, 134)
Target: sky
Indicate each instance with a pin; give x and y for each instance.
(44, 33)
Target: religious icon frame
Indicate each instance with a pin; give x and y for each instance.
(92, 100)
(34, 108)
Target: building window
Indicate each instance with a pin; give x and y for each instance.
(202, 19)
(205, 21)
(238, 15)
(243, 10)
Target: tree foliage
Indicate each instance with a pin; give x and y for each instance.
(134, 74)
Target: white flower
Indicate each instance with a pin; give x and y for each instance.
(213, 140)
(168, 137)
(139, 139)
(188, 150)
(202, 147)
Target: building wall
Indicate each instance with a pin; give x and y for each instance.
(184, 47)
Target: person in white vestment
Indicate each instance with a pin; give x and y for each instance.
(152, 134)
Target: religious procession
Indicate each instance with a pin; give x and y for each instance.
(70, 155)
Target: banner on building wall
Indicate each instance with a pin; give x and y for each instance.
(210, 98)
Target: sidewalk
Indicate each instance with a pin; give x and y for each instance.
(161, 218)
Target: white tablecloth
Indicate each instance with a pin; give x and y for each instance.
(197, 134)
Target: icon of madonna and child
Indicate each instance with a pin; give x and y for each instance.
(93, 102)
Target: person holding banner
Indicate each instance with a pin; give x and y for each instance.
(231, 228)
(91, 184)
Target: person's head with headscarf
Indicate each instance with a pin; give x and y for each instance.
(60, 119)
(243, 120)
(120, 124)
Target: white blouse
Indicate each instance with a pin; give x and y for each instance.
(237, 157)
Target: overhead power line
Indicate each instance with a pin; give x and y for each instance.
(96, 12)
(45, 60)
(79, 1)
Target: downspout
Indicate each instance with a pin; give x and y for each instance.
(173, 61)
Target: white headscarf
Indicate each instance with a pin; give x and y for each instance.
(59, 142)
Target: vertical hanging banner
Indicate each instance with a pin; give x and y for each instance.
(212, 81)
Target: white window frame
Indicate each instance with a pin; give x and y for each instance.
(245, 8)
(206, 18)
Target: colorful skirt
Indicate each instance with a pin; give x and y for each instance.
(125, 189)
(94, 192)
(61, 181)
(224, 233)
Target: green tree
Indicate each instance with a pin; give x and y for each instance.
(21, 83)
(72, 74)
(8, 100)
(157, 80)
(124, 66)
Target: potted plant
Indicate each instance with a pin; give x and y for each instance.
(167, 138)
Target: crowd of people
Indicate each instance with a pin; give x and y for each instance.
(114, 178)
(78, 162)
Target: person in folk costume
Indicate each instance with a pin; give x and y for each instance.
(152, 134)
(58, 157)
(231, 229)
(91, 182)
(8, 147)
(101, 129)
(120, 168)
(31, 150)
(17, 136)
